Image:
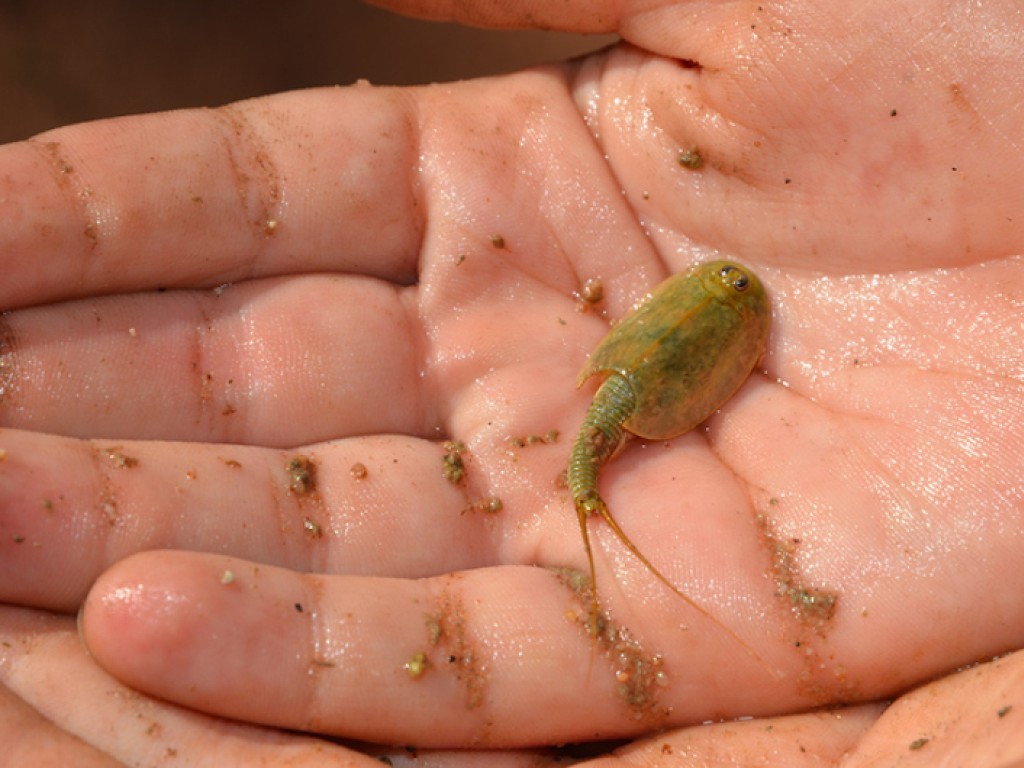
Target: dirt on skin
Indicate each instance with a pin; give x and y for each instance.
(301, 475)
(417, 665)
(312, 528)
(692, 159)
(448, 636)
(639, 675)
(490, 506)
(453, 467)
(551, 436)
(814, 608)
(120, 460)
(108, 500)
(8, 363)
(302, 484)
(590, 295)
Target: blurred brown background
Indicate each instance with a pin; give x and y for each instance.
(65, 62)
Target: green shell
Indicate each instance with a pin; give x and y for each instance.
(687, 348)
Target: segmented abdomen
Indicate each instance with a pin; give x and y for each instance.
(599, 438)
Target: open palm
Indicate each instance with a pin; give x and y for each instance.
(266, 322)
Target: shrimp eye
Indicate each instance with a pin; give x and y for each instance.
(741, 282)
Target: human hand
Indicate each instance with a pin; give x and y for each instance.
(58, 708)
(874, 461)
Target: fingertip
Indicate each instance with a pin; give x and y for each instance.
(128, 619)
(150, 619)
(192, 628)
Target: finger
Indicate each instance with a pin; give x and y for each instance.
(338, 180)
(381, 506)
(30, 739)
(272, 362)
(812, 739)
(487, 658)
(576, 16)
(961, 719)
(968, 718)
(297, 182)
(42, 661)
